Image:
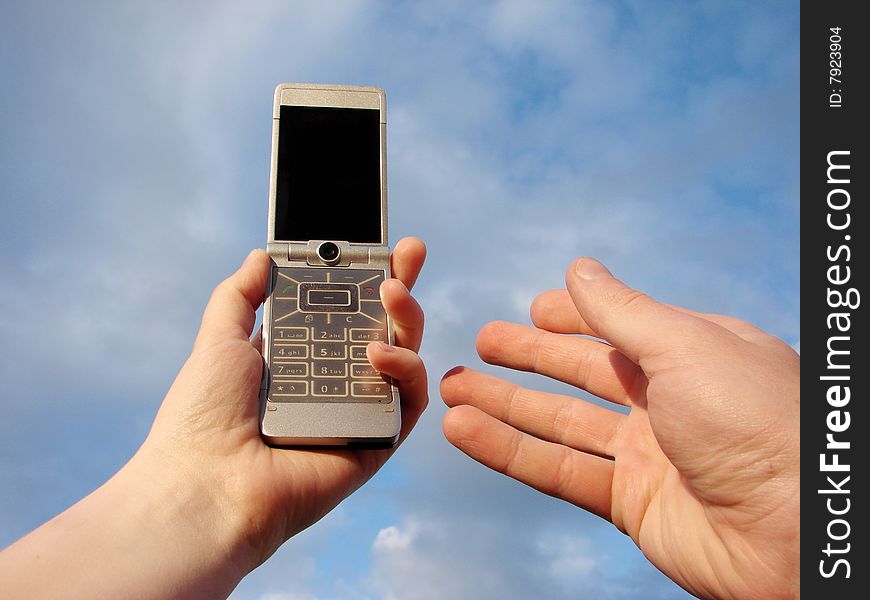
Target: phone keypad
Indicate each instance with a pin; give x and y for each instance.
(322, 320)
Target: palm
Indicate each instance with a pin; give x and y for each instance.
(717, 503)
(652, 503)
(701, 472)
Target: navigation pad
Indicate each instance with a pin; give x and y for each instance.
(322, 320)
(329, 297)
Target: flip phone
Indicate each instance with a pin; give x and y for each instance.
(327, 239)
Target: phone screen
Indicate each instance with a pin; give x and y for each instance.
(329, 175)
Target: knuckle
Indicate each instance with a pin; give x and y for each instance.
(415, 370)
(511, 404)
(701, 333)
(627, 298)
(537, 351)
(564, 475)
(586, 362)
(224, 289)
(736, 323)
(563, 421)
(510, 464)
(218, 291)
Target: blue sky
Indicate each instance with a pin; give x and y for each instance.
(660, 137)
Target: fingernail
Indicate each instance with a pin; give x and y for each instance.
(250, 254)
(589, 269)
(384, 347)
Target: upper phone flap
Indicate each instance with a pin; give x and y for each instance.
(338, 96)
(328, 173)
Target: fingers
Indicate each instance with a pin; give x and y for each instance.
(579, 478)
(554, 310)
(407, 370)
(405, 313)
(588, 364)
(407, 259)
(640, 327)
(231, 311)
(552, 417)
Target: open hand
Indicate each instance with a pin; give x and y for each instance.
(703, 473)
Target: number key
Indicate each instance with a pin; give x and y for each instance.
(365, 370)
(290, 370)
(299, 334)
(367, 335)
(290, 352)
(329, 387)
(329, 351)
(329, 368)
(358, 353)
(330, 335)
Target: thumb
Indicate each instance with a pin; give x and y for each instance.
(631, 321)
(232, 309)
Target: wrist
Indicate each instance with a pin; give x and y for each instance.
(185, 523)
(152, 531)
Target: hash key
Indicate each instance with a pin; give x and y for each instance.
(360, 388)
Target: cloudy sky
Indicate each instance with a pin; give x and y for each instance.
(660, 137)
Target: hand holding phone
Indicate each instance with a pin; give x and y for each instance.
(209, 417)
(204, 501)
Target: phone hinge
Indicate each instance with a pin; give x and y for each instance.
(278, 250)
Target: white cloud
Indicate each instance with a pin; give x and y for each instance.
(417, 561)
(569, 557)
(480, 556)
(392, 539)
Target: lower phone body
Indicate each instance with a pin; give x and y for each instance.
(340, 425)
(318, 386)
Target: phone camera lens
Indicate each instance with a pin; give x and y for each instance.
(328, 252)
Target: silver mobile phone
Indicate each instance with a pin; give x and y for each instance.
(327, 238)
